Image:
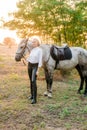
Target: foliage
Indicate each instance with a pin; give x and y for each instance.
(58, 19)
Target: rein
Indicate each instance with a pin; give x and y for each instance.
(22, 53)
(23, 56)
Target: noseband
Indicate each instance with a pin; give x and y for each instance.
(22, 52)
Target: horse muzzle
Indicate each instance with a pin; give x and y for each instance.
(18, 58)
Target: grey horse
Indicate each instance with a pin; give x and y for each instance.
(78, 60)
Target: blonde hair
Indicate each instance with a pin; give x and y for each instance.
(35, 38)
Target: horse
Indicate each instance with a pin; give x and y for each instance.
(77, 60)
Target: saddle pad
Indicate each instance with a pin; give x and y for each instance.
(58, 54)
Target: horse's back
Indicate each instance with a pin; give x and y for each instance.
(82, 54)
(79, 56)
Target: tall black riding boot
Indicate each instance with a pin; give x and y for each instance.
(31, 89)
(34, 100)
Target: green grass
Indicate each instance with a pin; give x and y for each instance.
(66, 110)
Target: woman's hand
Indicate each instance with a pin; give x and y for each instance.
(37, 73)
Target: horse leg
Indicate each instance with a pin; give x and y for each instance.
(49, 81)
(81, 77)
(85, 92)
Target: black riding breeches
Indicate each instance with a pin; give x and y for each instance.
(32, 69)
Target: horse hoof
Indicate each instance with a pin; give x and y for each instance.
(85, 94)
(30, 98)
(33, 102)
(78, 92)
(49, 95)
(45, 93)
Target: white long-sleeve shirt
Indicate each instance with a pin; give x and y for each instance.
(35, 56)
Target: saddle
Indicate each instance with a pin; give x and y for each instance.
(60, 53)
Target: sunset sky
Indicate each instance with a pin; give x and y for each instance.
(7, 6)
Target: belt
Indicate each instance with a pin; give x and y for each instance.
(33, 64)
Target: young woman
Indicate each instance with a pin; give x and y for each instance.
(34, 63)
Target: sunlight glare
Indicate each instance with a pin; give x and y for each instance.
(7, 6)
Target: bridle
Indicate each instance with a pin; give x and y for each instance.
(23, 56)
(22, 52)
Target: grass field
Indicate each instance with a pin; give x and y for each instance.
(65, 111)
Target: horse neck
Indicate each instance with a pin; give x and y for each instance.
(29, 47)
(46, 51)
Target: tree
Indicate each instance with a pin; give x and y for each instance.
(9, 41)
(54, 18)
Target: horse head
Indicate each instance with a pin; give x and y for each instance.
(23, 48)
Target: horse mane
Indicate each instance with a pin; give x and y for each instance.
(24, 40)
